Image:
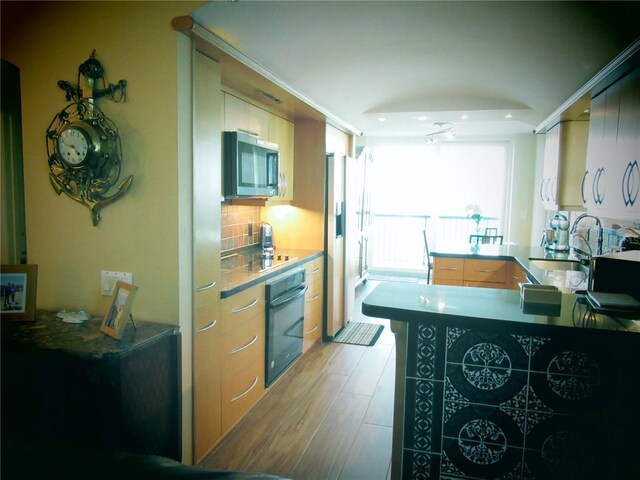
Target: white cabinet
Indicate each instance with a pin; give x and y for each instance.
(612, 180)
(564, 165)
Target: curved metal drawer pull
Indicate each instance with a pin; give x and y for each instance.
(253, 340)
(316, 270)
(311, 331)
(449, 268)
(315, 297)
(255, 382)
(206, 287)
(236, 310)
(204, 329)
(485, 271)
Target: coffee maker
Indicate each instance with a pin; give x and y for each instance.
(266, 240)
(557, 235)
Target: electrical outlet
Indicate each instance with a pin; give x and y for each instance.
(108, 280)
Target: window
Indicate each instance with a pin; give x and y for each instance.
(431, 186)
(441, 179)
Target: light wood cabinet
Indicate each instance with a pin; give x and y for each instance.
(242, 354)
(243, 116)
(207, 152)
(206, 379)
(448, 271)
(281, 132)
(515, 275)
(564, 166)
(240, 115)
(313, 303)
(470, 272)
(239, 308)
(485, 273)
(242, 362)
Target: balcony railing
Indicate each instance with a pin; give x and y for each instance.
(397, 243)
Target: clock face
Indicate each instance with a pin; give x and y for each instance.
(74, 146)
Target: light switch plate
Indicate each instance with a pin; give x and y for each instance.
(108, 280)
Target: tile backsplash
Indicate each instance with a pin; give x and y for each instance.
(611, 239)
(240, 227)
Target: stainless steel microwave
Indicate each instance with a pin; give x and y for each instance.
(250, 166)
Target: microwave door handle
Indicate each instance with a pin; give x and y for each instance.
(272, 172)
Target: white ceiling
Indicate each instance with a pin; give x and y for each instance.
(400, 60)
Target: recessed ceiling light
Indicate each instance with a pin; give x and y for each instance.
(508, 115)
(422, 118)
(465, 117)
(382, 119)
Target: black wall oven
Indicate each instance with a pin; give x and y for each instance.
(284, 322)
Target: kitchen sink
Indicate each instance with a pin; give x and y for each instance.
(566, 265)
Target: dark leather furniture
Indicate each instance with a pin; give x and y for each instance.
(21, 460)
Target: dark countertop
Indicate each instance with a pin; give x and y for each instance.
(48, 332)
(566, 281)
(463, 305)
(246, 268)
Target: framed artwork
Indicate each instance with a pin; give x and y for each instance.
(118, 314)
(18, 284)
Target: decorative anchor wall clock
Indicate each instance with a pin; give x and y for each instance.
(83, 145)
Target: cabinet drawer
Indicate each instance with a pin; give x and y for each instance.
(242, 306)
(207, 318)
(515, 275)
(314, 270)
(312, 329)
(242, 361)
(313, 293)
(243, 346)
(448, 268)
(240, 394)
(483, 284)
(206, 390)
(454, 283)
(485, 270)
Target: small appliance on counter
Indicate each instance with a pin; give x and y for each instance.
(266, 240)
(557, 235)
(631, 240)
(618, 272)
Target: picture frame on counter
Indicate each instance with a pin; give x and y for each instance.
(117, 315)
(18, 284)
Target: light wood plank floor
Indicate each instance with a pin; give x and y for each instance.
(328, 417)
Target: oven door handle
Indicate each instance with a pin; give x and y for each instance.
(279, 301)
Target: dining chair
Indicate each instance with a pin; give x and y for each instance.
(495, 239)
(429, 261)
(491, 231)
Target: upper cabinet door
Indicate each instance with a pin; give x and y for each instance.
(281, 131)
(564, 165)
(627, 170)
(612, 183)
(245, 117)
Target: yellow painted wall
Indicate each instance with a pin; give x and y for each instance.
(139, 233)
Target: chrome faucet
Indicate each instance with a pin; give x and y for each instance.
(598, 224)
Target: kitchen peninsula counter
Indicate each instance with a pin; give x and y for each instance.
(486, 391)
(522, 255)
(246, 268)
